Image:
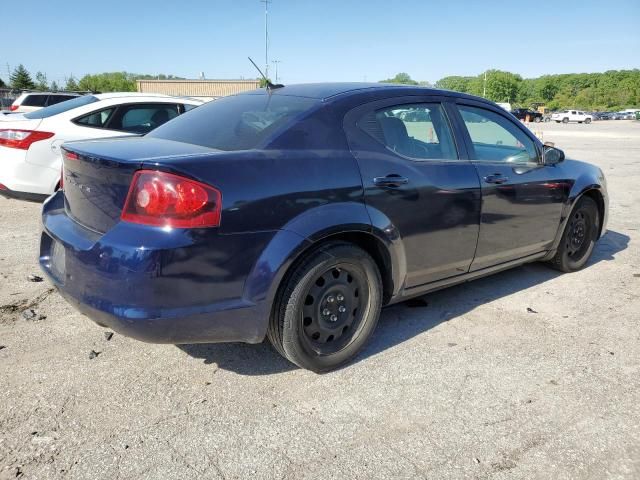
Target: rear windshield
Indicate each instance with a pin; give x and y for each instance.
(240, 122)
(61, 107)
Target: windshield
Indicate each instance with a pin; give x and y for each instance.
(240, 122)
(61, 107)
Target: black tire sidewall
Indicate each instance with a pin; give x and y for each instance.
(294, 345)
(567, 263)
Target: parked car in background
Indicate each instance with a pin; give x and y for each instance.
(601, 115)
(298, 212)
(30, 143)
(524, 113)
(566, 116)
(32, 101)
(5, 104)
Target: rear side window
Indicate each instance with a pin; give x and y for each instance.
(35, 101)
(495, 138)
(418, 131)
(239, 122)
(144, 118)
(96, 119)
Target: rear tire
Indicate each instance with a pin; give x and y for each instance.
(587, 121)
(536, 120)
(327, 308)
(565, 120)
(579, 237)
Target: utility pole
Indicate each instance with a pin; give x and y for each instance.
(484, 88)
(266, 36)
(276, 62)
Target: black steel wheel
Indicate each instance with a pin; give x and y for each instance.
(327, 308)
(579, 237)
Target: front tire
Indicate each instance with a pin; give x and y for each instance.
(579, 237)
(565, 120)
(327, 308)
(536, 120)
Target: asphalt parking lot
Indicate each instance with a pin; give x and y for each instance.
(528, 374)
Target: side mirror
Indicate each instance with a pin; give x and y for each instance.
(552, 155)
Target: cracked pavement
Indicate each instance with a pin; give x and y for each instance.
(473, 385)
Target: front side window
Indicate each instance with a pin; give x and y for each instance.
(418, 131)
(53, 99)
(495, 138)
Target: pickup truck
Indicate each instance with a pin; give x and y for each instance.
(567, 116)
(521, 114)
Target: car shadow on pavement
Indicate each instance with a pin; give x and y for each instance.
(401, 322)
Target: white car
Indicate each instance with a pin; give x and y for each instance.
(30, 155)
(567, 116)
(32, 101)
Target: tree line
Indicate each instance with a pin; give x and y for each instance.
(21, 79)
(610, 90)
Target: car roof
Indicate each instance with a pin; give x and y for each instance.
(112, 95)
(325, 91)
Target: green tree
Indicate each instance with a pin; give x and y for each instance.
(54, 86)
(71, 84)
(455, 83)
(109, 82)
(21, 79)
(501, 86)
(41, 82)
(2, 84)
(402, 78)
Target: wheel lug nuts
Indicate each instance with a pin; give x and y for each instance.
(326, 312)
(342, 309)
(331, 299)
(340, 297)
(333, 318)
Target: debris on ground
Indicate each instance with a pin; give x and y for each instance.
(35, 278)
(29, 314)
(2, 347)
(93, 354)
(108, 335)
(531, 310)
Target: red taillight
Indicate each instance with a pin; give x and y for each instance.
(22, 139)
(2, 187)
(13, 108)
(167, 200)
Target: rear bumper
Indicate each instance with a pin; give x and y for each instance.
(157, 286)
(31, 197)
(25, 178)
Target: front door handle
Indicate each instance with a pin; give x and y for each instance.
(496, 178)
(392, 180)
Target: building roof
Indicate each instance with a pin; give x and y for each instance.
(197, 88)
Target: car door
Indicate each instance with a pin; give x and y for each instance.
(416, 176)
(522, 199)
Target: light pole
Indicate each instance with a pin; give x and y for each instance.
(276, 62)
(266, 36)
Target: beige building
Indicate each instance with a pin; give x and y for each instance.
(205, 89)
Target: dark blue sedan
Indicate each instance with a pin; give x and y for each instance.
(297, 213)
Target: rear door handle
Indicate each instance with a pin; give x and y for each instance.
(496, 178)
(392, 180)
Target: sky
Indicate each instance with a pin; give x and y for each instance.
(329, 40)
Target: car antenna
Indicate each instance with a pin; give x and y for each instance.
(270, 86)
